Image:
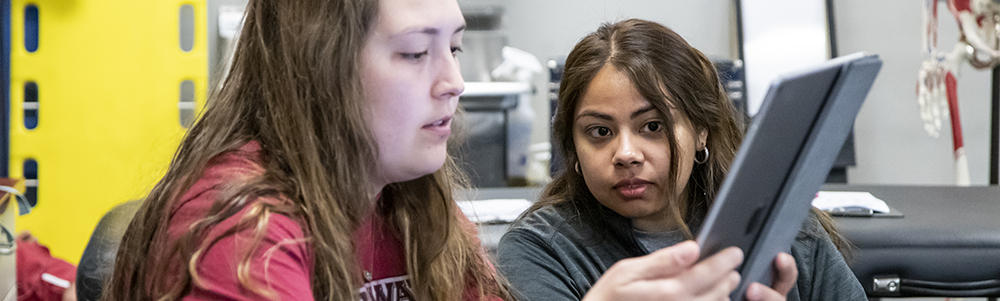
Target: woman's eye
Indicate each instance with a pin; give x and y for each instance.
(653, 126)
(456, 50)
(414, 56)
(600, 131)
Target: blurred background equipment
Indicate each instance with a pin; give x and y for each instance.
(778, 36)
(9, 210)
(733, 81)
(495, 133)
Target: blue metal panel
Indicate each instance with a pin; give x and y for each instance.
(4, 86)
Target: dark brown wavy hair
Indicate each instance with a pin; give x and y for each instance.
(672, 75)
(295, 88)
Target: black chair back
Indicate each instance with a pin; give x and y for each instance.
(98, 258)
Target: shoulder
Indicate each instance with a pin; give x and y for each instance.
(228, 168)
(542, 222)
(245, 245)
(567, 223)
(812, 228)
(232, 166)
(823, 273)
(560, 230)
(535, 229)
(240, 232)
(548, 254)
(811, 239)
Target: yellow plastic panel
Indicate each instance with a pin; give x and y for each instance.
(109, 74)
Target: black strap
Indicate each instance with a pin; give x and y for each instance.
(930, 292)
(970, 285)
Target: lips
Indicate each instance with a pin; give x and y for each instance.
(439, 130)
(439, 123)
(632, 188)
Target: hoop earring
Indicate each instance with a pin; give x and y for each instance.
(578, 168)
(704, 159)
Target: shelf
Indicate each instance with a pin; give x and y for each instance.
(495, 88)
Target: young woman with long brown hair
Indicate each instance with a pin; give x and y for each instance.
(648, 135)
(319, 171)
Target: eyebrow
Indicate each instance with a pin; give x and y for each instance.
(427, 30)
(641, 111)
(595, 115)
(607, 117)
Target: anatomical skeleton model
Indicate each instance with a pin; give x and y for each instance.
(979, 23)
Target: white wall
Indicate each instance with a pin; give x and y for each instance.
(550, 28)
(891, 144)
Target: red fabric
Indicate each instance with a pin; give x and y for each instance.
(379, 250)
(381, 253)
(281, 264)
(33, 261)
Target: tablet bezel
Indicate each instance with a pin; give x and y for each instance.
(784, 159)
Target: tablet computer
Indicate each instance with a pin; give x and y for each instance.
(785, 157)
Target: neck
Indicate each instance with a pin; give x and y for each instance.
(374, 194)
(378, 184)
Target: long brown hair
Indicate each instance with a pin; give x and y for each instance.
(671, 75)
(295, 88)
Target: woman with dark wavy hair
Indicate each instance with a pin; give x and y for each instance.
(648, 135)
(319, 171)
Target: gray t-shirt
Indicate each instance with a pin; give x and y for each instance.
(658, 240)
(550, 254)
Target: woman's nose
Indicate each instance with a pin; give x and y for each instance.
(628, 152)
(449, 82)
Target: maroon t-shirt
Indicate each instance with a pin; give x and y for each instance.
(381, 256)
(282, 263)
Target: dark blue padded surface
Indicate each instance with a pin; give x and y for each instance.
(947, 234)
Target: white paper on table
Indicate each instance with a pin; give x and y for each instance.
(494, 210)
(830, 200)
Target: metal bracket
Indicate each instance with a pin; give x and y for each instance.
(888, 284)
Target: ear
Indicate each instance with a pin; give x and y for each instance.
(702, 139)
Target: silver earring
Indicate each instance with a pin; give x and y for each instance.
(578, 168)
(703, 159)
